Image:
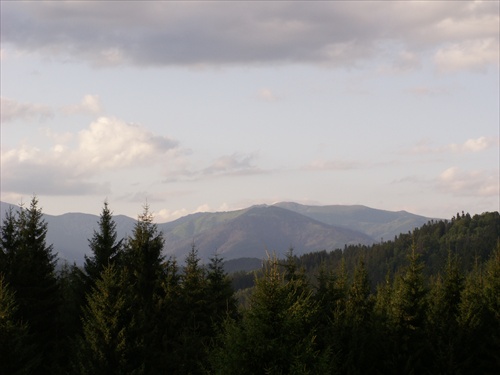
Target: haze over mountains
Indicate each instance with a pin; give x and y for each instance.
(249, 232)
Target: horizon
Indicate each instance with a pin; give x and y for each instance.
(212, 107)
(155, 217)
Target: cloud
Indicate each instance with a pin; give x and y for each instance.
(267, 95)
(235, 164)
(112, 143)
(107, 144)
(479, 183)
(425, 146)
(228, 33)
(90, 104)
(427, 91)
(333, 165)
(475, 145)
(475, 54)
(12, 110)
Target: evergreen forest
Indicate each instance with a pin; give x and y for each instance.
(426, 302)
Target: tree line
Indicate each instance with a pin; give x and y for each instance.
(131, 310)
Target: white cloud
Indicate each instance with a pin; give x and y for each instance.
(107, 144)
(235, 164)
(333, 165)
(480, 183)
(165, 215)
(267, 95)
(475, 145)
(425, 146)
(90, 104)
(475, 54)
(12, 110)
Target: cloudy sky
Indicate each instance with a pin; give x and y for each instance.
(211, 106)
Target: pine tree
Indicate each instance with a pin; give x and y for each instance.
(220, 294)
(104, 245)
(143, 260)
(443, 326)
(492, 300)
(17, 355)
(360, 341)
(276, 335)
(32, 277)
(9, 242)
(408, 318)
(196, 324)
(109, 344)
(472, 317)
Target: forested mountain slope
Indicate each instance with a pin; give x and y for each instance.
(379, 224)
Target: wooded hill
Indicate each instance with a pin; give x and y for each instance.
(130, 310)
(249, 232)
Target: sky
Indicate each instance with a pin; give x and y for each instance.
(216, 106)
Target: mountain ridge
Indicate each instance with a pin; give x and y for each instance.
(248, 232)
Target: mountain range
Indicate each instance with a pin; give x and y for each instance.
(246, 233)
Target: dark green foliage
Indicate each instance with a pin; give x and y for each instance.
(109, 344)
(143, 262)
(407, 319)
(427, 302)
(30, 271)
(17, 354)
(105, 247)
(277, 333)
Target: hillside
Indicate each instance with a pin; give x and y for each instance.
(259, 229)
(378, 224)
(248, 232)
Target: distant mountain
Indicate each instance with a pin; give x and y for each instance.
(378, 224)
(257, 230)
(246, 233)
(69, 233)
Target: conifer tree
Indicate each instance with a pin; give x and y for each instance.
(276, 334)
(360, 339)
(408, 318)
(443, 315)
(109, 344)
(105, 247)
(492, 301)
(31, 276)
(143, 261)
(196, 324)
(220, 294)
(472, 316)
(17, 356)
(9, 242)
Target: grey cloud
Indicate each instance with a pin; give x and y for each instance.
(227, 165)
(12, 110)
(198, 33)
(334, 165)
(31, 179)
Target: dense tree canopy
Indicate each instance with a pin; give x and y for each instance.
(425, 302)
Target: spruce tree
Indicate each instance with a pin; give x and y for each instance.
(361, 344)
(276, 335)
(408, 319)
(143, 260)
(9, 242)
(443, 327)
(109, 344)
(31, 276)
(105, 247)
(17, 354)
(196, 324)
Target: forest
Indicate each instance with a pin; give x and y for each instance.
(426, 302)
